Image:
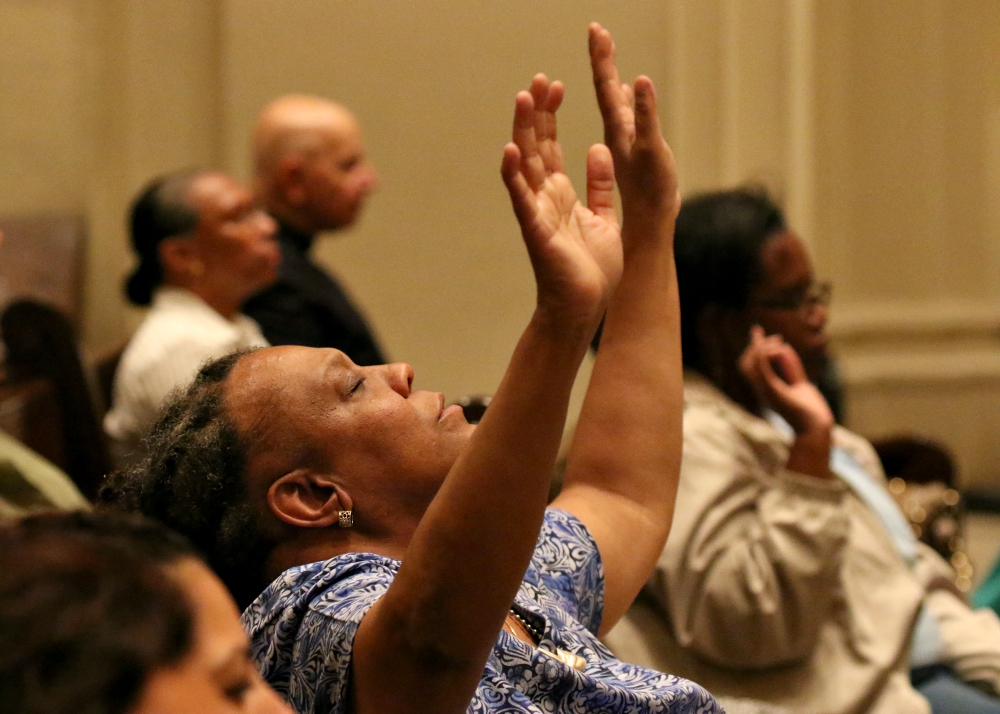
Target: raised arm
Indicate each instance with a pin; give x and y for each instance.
(423, 646)
(623, 467)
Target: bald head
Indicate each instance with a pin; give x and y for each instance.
(310, 164)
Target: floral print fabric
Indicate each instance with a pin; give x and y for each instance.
(302, 630)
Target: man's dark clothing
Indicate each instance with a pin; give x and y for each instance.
(306, 306)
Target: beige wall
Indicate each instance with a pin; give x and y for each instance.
(876, 121)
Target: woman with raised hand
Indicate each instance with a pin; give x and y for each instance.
(414, 565)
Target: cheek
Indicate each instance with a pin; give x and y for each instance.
(179, 691)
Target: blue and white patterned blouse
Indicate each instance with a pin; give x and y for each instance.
(302, 631)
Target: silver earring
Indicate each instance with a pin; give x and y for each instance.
(345, 519)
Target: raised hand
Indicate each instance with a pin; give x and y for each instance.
(575, 250)
(644, 163)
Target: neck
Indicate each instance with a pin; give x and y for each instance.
(224, 304)
(313, 545)
(287, 216)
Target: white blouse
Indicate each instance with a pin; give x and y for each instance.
(180, 333)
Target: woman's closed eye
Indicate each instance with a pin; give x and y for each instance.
(237, 691)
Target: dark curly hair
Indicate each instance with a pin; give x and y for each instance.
(193, 479)
(717, 247)
(87, 611)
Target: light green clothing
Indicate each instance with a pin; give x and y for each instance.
(29, 482)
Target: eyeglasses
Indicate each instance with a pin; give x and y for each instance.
(801, 300)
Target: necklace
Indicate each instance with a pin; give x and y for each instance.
(527, 626)
(567, 658)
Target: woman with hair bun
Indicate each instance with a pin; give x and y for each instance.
(203, 249)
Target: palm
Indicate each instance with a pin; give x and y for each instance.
(577, 255)
(575, 249)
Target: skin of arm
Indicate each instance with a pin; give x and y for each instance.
(622, 474)
(423, 645)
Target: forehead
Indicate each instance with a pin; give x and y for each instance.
(785, 261)
(215, 192)
(276, 398)
(216, 619)
(285, 379)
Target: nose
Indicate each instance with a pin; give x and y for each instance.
(370, 179)
(400, 377)
(265, 224)
(818, 315)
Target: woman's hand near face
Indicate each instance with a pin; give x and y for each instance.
(575, 250)
(794, 397)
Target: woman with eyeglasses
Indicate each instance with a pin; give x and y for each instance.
(790, 575)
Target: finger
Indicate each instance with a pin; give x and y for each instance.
(522, 198)
(548, 98)
(647, 118)
(748, 359)
(790, 364)
(611, 98)
(524, 137)
(775, 384)
(601, 182)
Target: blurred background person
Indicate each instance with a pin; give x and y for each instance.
(30, 482)
(113, 614)
(311, 175)
(790, 574)
(203, 248)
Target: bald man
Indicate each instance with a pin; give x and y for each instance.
(311, 175)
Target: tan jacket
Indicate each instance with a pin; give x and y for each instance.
(787, 588)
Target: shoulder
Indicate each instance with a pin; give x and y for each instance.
(718, 430)
(342, 588)
(302, 626)
(861, 449)
(566, 571)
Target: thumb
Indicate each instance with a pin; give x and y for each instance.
(601, 182)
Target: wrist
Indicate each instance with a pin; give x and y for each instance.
(572, 331)
(810, 453)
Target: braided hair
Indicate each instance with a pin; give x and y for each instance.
(193, 479)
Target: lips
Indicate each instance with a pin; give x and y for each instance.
(453, 409)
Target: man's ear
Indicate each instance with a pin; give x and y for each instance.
(291, 180)
(179, 256)
(308, 499)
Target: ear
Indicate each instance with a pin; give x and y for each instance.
(291, 180)
(179, 256)
(308, 499)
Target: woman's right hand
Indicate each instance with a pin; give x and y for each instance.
(793, 396)
(575, 250)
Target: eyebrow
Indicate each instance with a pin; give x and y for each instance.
(336, 358)
(238, 655)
